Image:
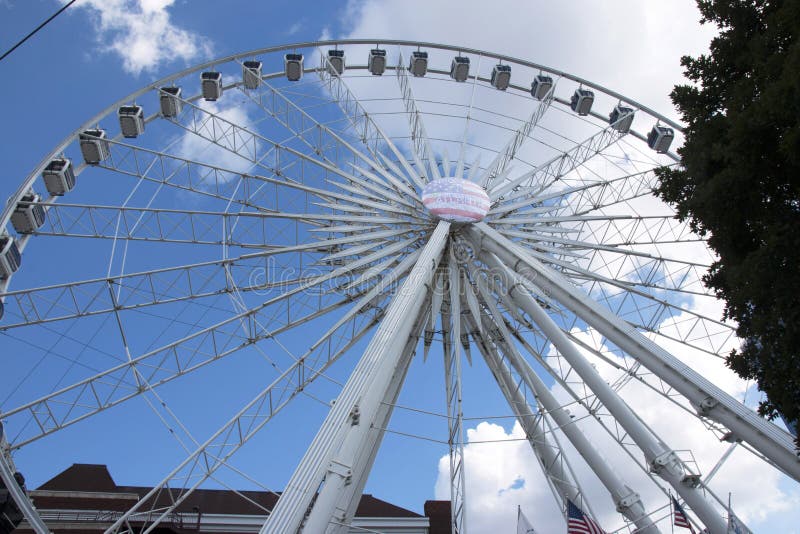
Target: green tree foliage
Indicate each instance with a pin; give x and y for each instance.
(740, 183)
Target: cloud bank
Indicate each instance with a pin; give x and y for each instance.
(142, 33)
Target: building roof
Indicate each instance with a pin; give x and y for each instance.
(91, 486)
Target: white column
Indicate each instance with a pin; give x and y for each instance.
(331, 455)
(626, 500)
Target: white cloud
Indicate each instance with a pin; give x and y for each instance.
(502, 475)
(296, 27)
(142, 33)
(627, 45)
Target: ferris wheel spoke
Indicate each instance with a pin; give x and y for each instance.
(213, 454)
(182, 173)
(137, 290)
(646, 311)
(371, 189)
(250, 145)
(634, 230)
(550, 456)
(117, 385)
(367, 129)
(597, 196)
(318, 137)
(612, 230)
(113, 386)
(459, 170)
(196, 227)
(633, 264)
(385, 201)
(225, 184)
(372, 183)
(509, 152)
(544, 176)
(623, 291)
(422, 148)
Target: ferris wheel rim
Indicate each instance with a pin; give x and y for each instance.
(33, 175)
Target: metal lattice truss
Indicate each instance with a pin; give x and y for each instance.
(283, 226)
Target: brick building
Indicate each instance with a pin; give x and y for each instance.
(84, 498)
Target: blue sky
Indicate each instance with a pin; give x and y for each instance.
(88, 58)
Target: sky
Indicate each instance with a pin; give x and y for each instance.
(98, 51)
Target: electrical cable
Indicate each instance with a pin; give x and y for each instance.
(39, 27)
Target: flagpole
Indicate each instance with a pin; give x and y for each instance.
(729, 512)
(671, 514)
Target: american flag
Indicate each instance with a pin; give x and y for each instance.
(578, 523)
(455, 199)
(680, 519)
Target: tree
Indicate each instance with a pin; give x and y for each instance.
(739, 184)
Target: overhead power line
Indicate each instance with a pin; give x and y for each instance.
(39, 27)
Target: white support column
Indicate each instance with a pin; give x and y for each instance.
(710, 401)
(561, 479)
(626, 500)
(663, 460)
(329, 460)
(351, 496)
(451, 324)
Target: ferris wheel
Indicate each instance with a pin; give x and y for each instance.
(255, 236)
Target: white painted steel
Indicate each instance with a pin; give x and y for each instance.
(331, 455)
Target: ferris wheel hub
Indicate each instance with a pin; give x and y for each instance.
(456, 200)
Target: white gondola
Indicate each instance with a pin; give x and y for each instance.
(171, 104)
(10, 258)
(59, 176)
(335, 62)
(131, 120)
(660, 138)
(541, 86)
(94, 146)
(501, 77)
(459, 68)
(621, 118)
(28, 215)
(211, 84)
(251, 74)
(419, 63)
(377, 61)
(582, 101)
(293, 66)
